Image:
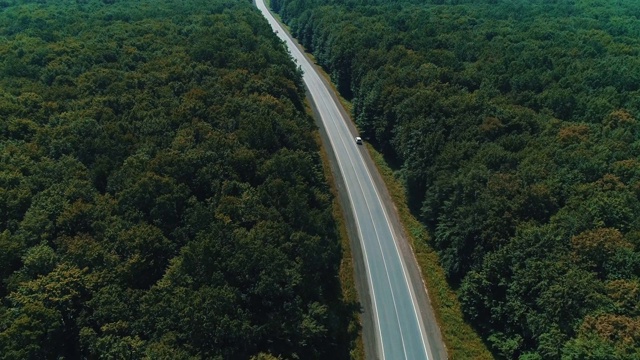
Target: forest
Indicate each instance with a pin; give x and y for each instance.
(162, 194)
(514, 127)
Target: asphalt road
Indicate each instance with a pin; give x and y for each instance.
(398, 321)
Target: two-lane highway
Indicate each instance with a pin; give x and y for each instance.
(399, 324)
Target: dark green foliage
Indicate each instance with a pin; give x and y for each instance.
(514, 126)
(161, 193)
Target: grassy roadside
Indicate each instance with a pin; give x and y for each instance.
(461, 340)
(346, 272)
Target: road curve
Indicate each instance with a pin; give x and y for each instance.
(398, 322)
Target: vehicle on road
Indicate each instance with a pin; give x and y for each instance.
(358, 140)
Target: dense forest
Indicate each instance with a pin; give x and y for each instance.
(162, 194)
(514, 125)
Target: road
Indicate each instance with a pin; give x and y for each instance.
(398, 320)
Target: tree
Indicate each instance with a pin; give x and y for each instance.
(43, 312)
